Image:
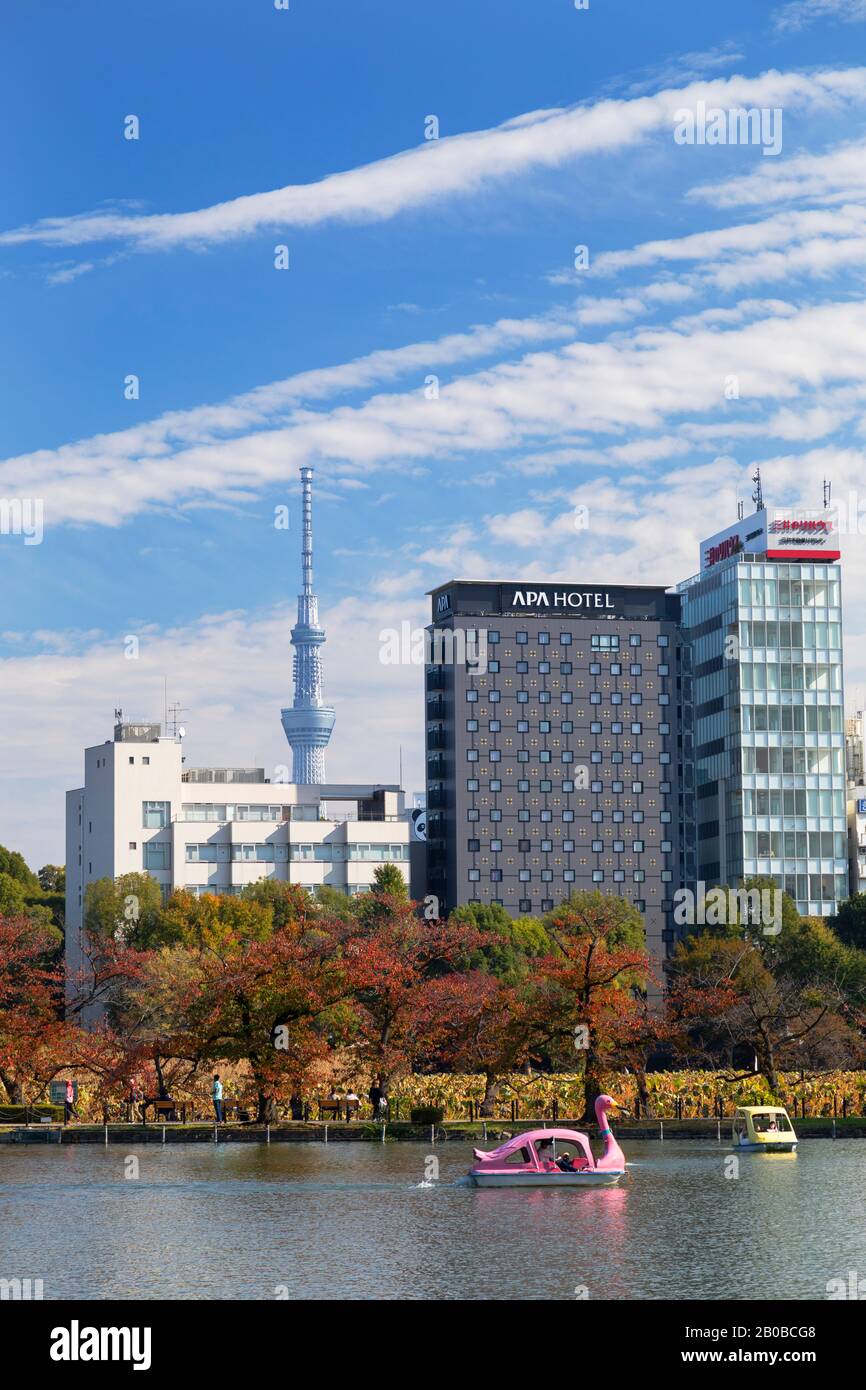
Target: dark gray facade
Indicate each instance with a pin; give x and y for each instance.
(553, 746)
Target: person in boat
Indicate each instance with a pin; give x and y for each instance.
(544, 1149)
(565, 1163)
(772, 1124)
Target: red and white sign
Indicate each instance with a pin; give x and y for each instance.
(803, 536)
(749, 535)
(780, 535)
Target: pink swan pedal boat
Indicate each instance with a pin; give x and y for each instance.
(519, 1163)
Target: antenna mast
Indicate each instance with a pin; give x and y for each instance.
(758, 494)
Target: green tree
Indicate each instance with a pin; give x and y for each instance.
(286, 902)
(388, 879)
(17, 900)
(14, 864)
(52, 878)
(849, 923)
(12, 896)
(124, 909)
(333, 902)
(508, 943)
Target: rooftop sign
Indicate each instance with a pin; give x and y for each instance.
(780, 534)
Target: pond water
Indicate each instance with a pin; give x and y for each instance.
(359, 1221)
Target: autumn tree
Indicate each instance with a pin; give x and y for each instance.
(790, 992)
(31, 1028)
(392, 963)
(595, 977)
(256, 992)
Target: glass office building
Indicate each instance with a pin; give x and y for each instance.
(763, 623)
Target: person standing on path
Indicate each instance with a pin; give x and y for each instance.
(375, 1097)
(69, 1103)
(217, 1092)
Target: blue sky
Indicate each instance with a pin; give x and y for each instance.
(559, 388)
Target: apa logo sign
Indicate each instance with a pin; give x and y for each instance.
(443, 604)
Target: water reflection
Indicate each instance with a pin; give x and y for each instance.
(223, 1221)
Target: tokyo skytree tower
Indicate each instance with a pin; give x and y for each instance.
(309, 722)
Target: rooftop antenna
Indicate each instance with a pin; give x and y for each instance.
(758, 494)
(118, 715)
(828, 488)
(173, 726)
(740, 511)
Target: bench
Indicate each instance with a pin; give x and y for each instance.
(164, 1109)
(240, 1110)
(330, 1107)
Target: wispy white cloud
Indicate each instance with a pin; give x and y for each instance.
(629, 385)
(837, 175)
(812, 242)
(450, 167)
(677, 69)
(799, 14)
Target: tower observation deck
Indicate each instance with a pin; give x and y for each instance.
(309, 722)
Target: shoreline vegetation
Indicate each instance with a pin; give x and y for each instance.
(476, 1131)
(278, 1003)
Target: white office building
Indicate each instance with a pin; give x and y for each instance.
(216, 830)
(857, 839)
(855, 749)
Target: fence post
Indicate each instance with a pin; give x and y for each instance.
(844, 1107)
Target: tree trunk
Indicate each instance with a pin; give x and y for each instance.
(644, 1108)
(13, 1088)
(492, 1087)
(592, 1086)
(767, 1062)
(266, 1110)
